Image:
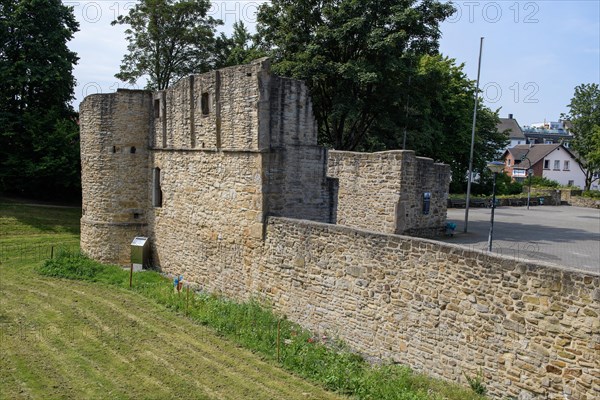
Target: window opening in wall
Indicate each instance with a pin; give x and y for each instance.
(157, 191)
(546, 164)
(571, 183)
(114, 149)
(204, 103)
(132, 150)
(566, 166)
(157, 108)
(556, 164)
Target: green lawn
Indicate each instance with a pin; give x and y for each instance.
(91, 336)
(74, 340)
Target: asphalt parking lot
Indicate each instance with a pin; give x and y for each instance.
(562, 235)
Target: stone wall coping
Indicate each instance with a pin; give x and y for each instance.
(207, 150)
(104, 223)
(366, 155)
(505, 261)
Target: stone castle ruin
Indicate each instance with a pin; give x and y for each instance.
(223, 173)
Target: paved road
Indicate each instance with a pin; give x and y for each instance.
(563, 235)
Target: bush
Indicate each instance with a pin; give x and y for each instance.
(540, 181)
(594, 194)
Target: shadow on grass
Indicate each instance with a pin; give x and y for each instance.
(21, 217)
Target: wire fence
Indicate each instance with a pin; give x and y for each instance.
(34, 252)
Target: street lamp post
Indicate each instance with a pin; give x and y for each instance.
(496, 167)
(529, 173)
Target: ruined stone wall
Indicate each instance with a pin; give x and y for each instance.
(296, 170)
(211, 211)
(114, 172)
(383, 191)
(250, 151)
(534, 330)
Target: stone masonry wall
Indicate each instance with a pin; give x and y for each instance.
(230, 169)
(211, 213)
(383, 191)
(534, 330)
(114, 172)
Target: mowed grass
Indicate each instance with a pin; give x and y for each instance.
(69, 339)
(91, 336)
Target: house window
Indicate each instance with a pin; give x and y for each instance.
(556, 164)
(546, 164)
(157, 191)
(508, 162)
(566, 166)
(571, 183)
(204, 103)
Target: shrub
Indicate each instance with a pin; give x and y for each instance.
(540, 181)
(594, 194)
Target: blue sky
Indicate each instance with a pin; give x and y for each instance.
(534, 52)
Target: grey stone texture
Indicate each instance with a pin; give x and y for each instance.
(245, 206)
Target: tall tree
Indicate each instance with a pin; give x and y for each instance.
(584, 114)
(439, 119)
(355, 56)
(39, 151)
(168, 39)
(240, 48)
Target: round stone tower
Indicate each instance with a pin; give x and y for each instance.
(114, 174)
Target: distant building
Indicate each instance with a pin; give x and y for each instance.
(548, 133)
(551, 161)
(513, 129)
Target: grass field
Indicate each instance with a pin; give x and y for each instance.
(91, 336)
(66, 339)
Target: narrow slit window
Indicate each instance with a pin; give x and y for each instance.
(157, 108)
(204, 103)
(132, 150)
(157, 190)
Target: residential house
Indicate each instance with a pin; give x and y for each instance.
(512, 127)
(551, 161)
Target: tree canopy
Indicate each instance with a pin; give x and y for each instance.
(168, 39)
(240, 48)
(584, 114)
(39, 148)
(372, 67)
(355, 56)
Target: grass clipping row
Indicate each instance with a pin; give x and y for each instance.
(253, 325)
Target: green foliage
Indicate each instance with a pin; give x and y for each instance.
(241, 48)
(440, 124)
(168, 39)
(504, 185)
(476, 383)
(374, 73)
(39, 140)
(593, 194)
(355, 56)
(254, 326)
(542, 182)
(584, 115)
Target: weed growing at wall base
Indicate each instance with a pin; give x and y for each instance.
(254, 326)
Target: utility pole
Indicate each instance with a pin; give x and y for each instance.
(473, 139)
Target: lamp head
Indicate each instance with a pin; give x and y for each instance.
(495, 166)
